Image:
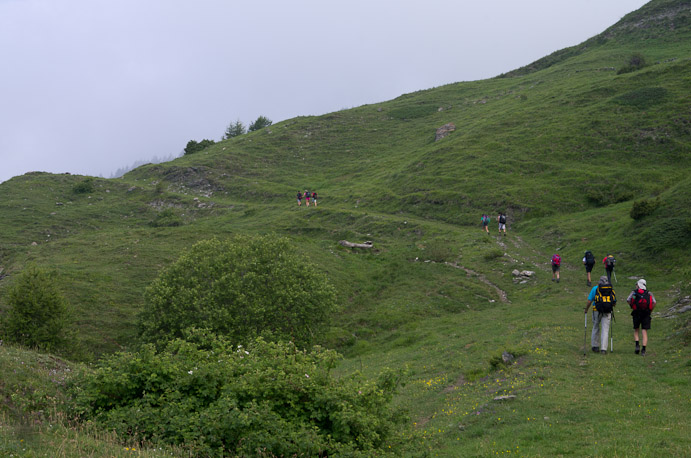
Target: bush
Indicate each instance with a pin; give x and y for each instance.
(241, 288)
(85, 186)
(194, 146)
(166, 218)
(216, 399)
(38, 314)
(642, 208)
(636, 62)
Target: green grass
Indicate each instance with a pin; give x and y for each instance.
(564, 146)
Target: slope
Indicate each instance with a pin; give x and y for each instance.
(565, 148)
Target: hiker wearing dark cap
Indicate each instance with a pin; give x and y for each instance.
(642, 303)
(603, 300)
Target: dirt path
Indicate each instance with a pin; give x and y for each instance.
(471, 273)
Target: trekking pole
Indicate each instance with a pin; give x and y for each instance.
(585, 333)
(615, 276)
(611, 333)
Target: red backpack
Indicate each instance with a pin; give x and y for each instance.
(556, 260)
(641, 301)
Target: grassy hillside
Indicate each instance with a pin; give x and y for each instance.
(565, 146)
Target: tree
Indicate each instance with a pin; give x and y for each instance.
(38, 314)
(260, 123)
(241, 288)
(194, 146)
(235, 129)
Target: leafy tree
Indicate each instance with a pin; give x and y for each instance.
(234, 130)
(260, 123)
(38, 314)
(218, 399)
(241, 288)
(194, 146)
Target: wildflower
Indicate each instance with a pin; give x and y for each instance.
(307, 376)
(190, 372)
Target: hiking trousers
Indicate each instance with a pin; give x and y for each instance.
(600, 334)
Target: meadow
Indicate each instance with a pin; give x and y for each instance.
(566, 146)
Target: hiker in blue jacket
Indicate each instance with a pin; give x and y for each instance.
(603, 300)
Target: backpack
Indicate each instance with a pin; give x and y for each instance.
(502, 219)
(556, 260)
(485, 219)
(641, 301)
(589, 257)
(610, 261)
(605, 299)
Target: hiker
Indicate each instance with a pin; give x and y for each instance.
(556, 263)
(609, 262)
(642, 303)
(485, 223)
(299, 198)
(603, 299)
(307, 197)
(502, 222)
(314, 198)
(589, 263)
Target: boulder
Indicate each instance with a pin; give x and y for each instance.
(444, 131)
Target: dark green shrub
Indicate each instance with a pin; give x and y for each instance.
(216, 399)
(241, 288)
(38, 314)
(166, 218)
(85, 186)
(636, 62)
(194, 146)
(642, 208)
(493, 254)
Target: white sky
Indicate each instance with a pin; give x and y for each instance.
(89, 86)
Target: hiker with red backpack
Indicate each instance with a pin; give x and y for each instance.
(642, 303)
(603, 299)
(609, 262)
(556, 263)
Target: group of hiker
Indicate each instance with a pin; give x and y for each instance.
(501, 218)
(307, 196)
(603, 299)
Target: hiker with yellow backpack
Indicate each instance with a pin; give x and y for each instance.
(603, 300)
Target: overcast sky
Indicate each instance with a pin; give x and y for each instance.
(89, 86)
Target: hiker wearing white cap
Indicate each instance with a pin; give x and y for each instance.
(642, 302)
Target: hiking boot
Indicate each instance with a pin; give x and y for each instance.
(554, 279)
(596, 349)
(603, 352)
(590, 283)
(643, 352)
(557, 280)
(637, 350)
